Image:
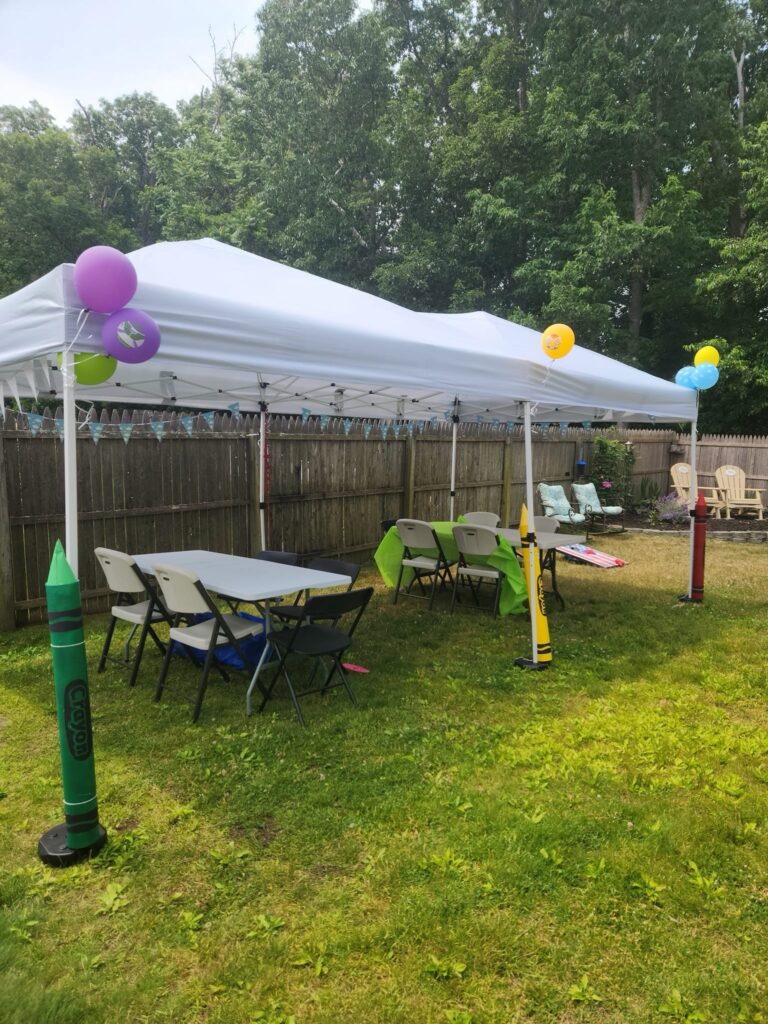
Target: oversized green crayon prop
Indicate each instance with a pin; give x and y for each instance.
(80, 835)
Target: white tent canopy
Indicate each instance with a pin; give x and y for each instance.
(237, 327)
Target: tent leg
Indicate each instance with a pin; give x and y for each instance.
(70, 460)
(532, 554)
(262, 475)
(452, 514)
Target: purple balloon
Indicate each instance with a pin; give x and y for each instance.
(105, 279)
(131, 335)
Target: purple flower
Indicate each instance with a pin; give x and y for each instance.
(607, 483)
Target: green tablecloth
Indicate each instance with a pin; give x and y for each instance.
(513, 597)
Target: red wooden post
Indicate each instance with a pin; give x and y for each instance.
(699, 545)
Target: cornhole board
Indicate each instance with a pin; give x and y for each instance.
(584, 553)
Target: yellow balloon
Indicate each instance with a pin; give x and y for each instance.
(558, 340)
(708, 354)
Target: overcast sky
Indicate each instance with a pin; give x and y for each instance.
(59, 51)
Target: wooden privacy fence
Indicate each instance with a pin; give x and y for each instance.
(328, 489)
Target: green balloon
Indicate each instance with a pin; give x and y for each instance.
(91, 368)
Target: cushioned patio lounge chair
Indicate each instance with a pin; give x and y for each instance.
(737, 496)
(682, 475)
(556, 505)
(593, 509)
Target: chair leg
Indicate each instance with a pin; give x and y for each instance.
(127, 644)
(345, 682)
(294, 698)
(107, 642)
(496, 598)
(157, 641)
(204, 678)
(139, 650)
(433, 591)
(399, 581)
(453, 595)
(164, 670)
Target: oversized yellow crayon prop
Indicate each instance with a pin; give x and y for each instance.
(539, 608)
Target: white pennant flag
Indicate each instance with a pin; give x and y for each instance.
(29, 373)
(15, 391)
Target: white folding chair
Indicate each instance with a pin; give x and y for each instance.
(185, 596)
(474, 542)
(489, 519)
(418, 536)
(126, 579)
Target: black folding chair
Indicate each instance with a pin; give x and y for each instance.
(284, 557)
(317, 634)
(293, 612)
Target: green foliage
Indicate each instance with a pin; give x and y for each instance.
(610, 470)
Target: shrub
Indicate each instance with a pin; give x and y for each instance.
(611, 470)
(669, 509)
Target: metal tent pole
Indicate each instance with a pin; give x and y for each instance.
(262, 474)
(532, 555)
(453, 466)
(70, 459)
(692, 495)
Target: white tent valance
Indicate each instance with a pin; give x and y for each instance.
(238, 327)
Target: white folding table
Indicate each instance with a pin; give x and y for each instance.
(253, 580)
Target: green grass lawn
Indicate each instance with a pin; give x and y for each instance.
(473, 844)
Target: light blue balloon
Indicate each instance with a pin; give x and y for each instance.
(684, 377)
(705, 375)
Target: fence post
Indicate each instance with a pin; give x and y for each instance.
(506, 483)
(7, 610)
(255, 540)
(410, 476)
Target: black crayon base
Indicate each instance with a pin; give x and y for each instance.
(535, 666)
(53, 850)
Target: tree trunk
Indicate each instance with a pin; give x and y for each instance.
(641, 200)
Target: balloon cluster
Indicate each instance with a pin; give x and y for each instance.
(558, 340)
(105, 280)
(704, 373)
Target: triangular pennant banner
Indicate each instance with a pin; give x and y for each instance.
(209, 419)
(59, 425)
(29, 373)
(383, 428)
(347, 424)
(409, 427)
(158, 428)
(367, 428)
(563, 429)
(15, 391)
(324, 421)
(422, 425)
(545, 427)
(234, 408)
(34, 422)
(188, 423)
(96, 429)
(126, 429)
(305, 414)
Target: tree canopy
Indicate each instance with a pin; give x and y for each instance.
(599, 163)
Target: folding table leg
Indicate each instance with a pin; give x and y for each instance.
(267, 650)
